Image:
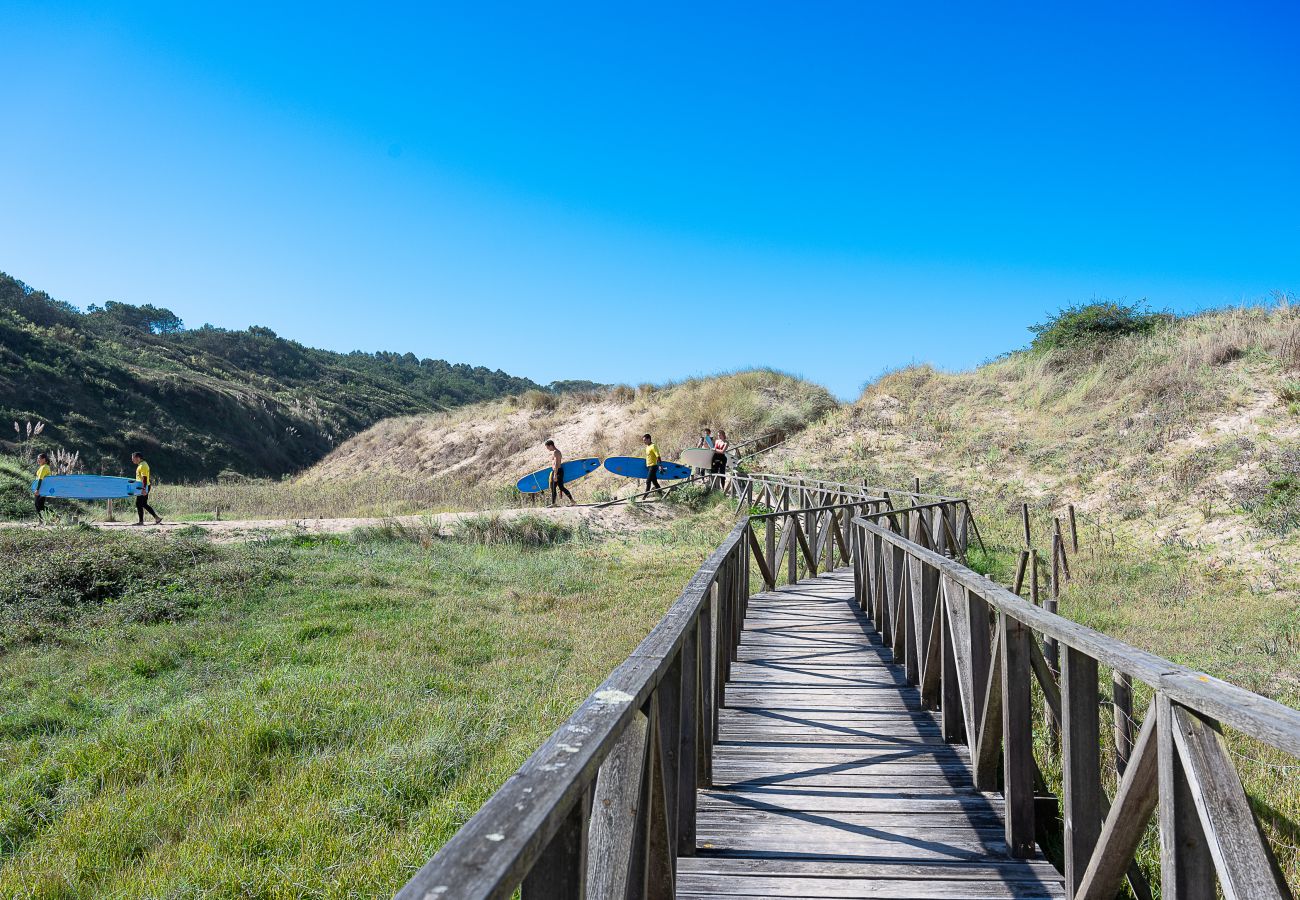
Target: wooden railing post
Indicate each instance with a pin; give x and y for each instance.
(688, 743)
(652, 864)
(669, 698)
(1186, 869)
(792, 547)
(1080, 763)
(1122, 706)
(708, 716)
(769, 533)
(1017, 737)
(616, 812)
(561, 871)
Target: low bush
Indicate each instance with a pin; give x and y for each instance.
(1090, 324)
(540, 400)
(56, 577)
(691, 496)
(516, 531)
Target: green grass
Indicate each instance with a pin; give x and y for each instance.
(316, 726)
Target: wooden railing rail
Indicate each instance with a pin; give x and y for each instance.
(606, 804)
(976, 649)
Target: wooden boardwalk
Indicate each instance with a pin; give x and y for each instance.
(831, 781)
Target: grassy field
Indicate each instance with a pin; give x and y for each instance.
(294, 717)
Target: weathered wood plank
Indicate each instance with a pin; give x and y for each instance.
(1241, 856)
(1080, 763)
(1017, 737)
(1126, 822)
(1186, 868)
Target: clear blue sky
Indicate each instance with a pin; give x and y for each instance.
(553, 188)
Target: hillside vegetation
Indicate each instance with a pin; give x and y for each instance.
(204, 400)
(1176, 439)
(1186, 429)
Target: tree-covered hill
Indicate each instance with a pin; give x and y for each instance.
(204, 400)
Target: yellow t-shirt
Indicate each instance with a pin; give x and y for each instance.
(142, 474)
(43, 472)
(651, 455)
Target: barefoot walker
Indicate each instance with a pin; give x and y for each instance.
(143, 475)
(557, 474)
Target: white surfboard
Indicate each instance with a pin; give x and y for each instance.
(699, 458)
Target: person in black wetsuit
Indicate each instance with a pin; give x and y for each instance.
(557, 475)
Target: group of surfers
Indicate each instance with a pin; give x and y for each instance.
(719, 445)
(143, 474)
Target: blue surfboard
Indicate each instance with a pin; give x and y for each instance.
(634, 467)
(89, 487)
(540, 480)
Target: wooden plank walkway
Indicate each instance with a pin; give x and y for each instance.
(831, 781)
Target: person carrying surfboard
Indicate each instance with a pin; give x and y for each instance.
(557, 475)
(42, 472)
(720, 446)
(706, 443)
(145, 477)
(651, 465)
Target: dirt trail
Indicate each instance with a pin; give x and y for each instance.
(608, 520)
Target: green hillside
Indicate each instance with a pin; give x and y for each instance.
(203, 400)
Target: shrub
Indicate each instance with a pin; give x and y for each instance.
(1289, 392)
(540, 400)
(623, 394)
(1090, 324)
(55, 577)
(691, 496)
(517, 531)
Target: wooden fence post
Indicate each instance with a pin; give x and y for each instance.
(561, 871)
(1080, 763)
(1186, 869)
(1122, 707)
(1017, 737)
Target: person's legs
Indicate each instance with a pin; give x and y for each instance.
(652, 479)
(40, 509)
(555, 486)
(142, 506)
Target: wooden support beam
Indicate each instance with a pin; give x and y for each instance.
(1080, 763)
(1017, 738)
(1186, 868)
(988, 746)
(1241, 855)
(616, 810)
(1126, 822)
(561, 871)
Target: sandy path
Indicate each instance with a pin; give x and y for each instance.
(609, 520)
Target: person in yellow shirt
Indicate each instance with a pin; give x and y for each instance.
(42, 472)
(651, 465)
(145, 477)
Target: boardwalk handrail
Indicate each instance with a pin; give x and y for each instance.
(536, 830)
(608, 801)
(970, 645)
